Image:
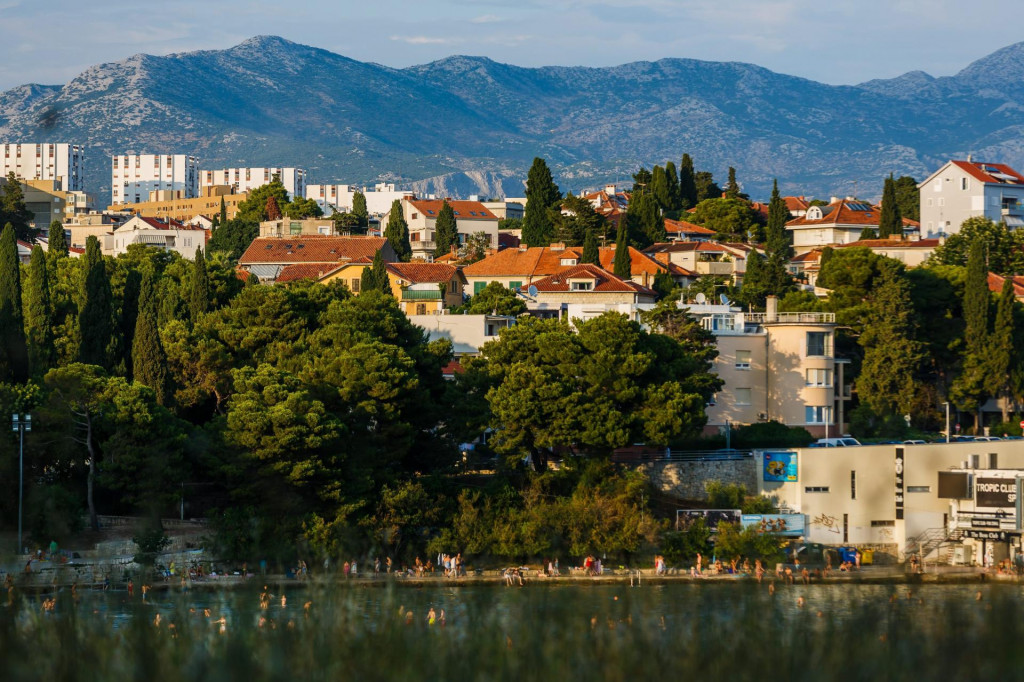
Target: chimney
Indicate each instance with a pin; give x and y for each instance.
(609, 190)
(557, 246)
(771, 309)
(833, 200)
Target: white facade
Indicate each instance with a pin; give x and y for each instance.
(134, 176)
(338, 198)
(967, 189)
(248, 179)
(63, 163)
(169, 235)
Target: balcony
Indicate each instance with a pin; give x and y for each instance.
(421, 295)
(714, 268)
(791, 318)
(423, 245)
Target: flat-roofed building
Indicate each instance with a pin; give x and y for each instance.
(331, 198)
(134, 176)
(165, 204)
(247, 179)
(64, 163)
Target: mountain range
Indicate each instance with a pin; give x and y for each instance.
(469, 125)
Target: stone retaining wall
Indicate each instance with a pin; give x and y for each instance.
(686, 479)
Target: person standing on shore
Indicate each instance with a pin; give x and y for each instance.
(700, 559)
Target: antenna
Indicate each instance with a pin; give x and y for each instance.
(724, 299)
(700, 298)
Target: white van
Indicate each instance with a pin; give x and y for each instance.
(844, 442)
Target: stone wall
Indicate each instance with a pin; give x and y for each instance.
(686, 479)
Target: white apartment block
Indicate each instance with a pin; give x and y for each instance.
(248, 179)
(63, 163)
(338, 198)
(134, 176)
(967, 189)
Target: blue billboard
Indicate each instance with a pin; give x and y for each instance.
(791, 525)
(780, 467)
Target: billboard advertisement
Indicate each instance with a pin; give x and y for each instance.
(791, 525)
(780, 467)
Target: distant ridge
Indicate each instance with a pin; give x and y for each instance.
(471, 125)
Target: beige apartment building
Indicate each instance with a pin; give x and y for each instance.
(776, 367)
(420, 215)
(288, 227)
(175, 205)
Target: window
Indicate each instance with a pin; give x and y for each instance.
(819, 344)
(941, 201)
(853, 485)
(581, 286)
(295, 227)
(819, 377)
(883, 524)
(742, 396)
(816, 489)
(568, 261)
(478, 287)
(421, 308)
(965, 183)
(919, 488)
(356, 281)
(515, 286)
(743, 359)
(817, 414)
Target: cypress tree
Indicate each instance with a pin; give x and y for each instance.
(672, 177)
(129, 316)
(1000, 356)
(687, 183)
(375, 277)
(660, 189)
(149, 362)
(359, 208)
(199, 293)
(890, 223)
(13, 210)
(732, 188)
(95, 312)
(777, 239)
(397, 232)
(623, 267)
(13, 352)
(644, 220)
(969, 388)
(591, 253)
(39, 314)
(541, 194)
(446, 233)
(57, 243)
(223, 212)
(272, 210)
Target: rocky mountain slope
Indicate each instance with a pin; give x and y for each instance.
(470, 125)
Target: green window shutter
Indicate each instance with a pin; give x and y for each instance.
(478, 287)
(515, 286)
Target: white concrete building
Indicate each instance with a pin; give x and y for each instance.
(338, 198)
(471, 217)
(967, 189)
(58, 161)
(248, 179)
(468, 333)
(169, 235)
(134, 176)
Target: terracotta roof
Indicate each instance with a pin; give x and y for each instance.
(311, 249)
(541, 261)
(464, 210)
(762, 209)
(166, 224)
(810, 257)
(894, 243)
(423, 272)
(842, 212)
(682, 247)
(995, 284)
(998, 173)
(452, 368)
(683, 227)
(794, 204)
(297, 271)
(606, 282)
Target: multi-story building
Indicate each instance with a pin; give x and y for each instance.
(426, 288)
(84, 225)
(289, 227)
(967, 189)
(160, 205)
(247, 179)
(704, 257)
(840, 222)
(61, 162)
(331, 198)
(169, 235)
(320, 257)
(420, 215)
(134, 176)
(776, 366)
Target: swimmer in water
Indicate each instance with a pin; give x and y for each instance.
(431, 616)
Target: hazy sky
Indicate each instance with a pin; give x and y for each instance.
(835, 41)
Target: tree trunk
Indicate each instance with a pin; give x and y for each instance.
(1005, 405)
(93, 520)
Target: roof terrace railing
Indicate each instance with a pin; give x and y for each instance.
(791, 318)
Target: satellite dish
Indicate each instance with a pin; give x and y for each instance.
(700, 298)
(532, 291)
(724, 299)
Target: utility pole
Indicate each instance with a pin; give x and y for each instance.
(21, 423)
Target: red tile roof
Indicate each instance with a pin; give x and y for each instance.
(464, 210)
(995, 284)
(423, 272)
(311, 249)
(682, 247)
(681, 227)
(794, 204)
(998, 173)
(812, 256)
(893, 243)
(452, 368)
(605, 281)
(842, 212)
(297, 271)
(541, 261)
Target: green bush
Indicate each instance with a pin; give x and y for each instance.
(771, 434)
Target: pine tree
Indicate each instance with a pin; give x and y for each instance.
(732, 188)
(397, 232)
(13, 351)
(223, 212)
(687, 183)
(890, 223)
(1000, 349)
(673, 186)
(38, 311)
(591, 253)
(149, 362)
(359, 209)
(57, 243)
(199, 292)
(541, 194)
(446, 232)
(660, 188)
(273, 210)
(623, 267)
(95, 313)
(13, 210)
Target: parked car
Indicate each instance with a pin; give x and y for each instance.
(914, 442)
(844, 442)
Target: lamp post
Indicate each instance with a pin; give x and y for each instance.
(947, 420)
(21, 423)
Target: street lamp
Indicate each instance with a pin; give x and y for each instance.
(21, 423)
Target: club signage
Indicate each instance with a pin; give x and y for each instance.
(984, 523)
(999, 493)
(899, 483)
(990, 535)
